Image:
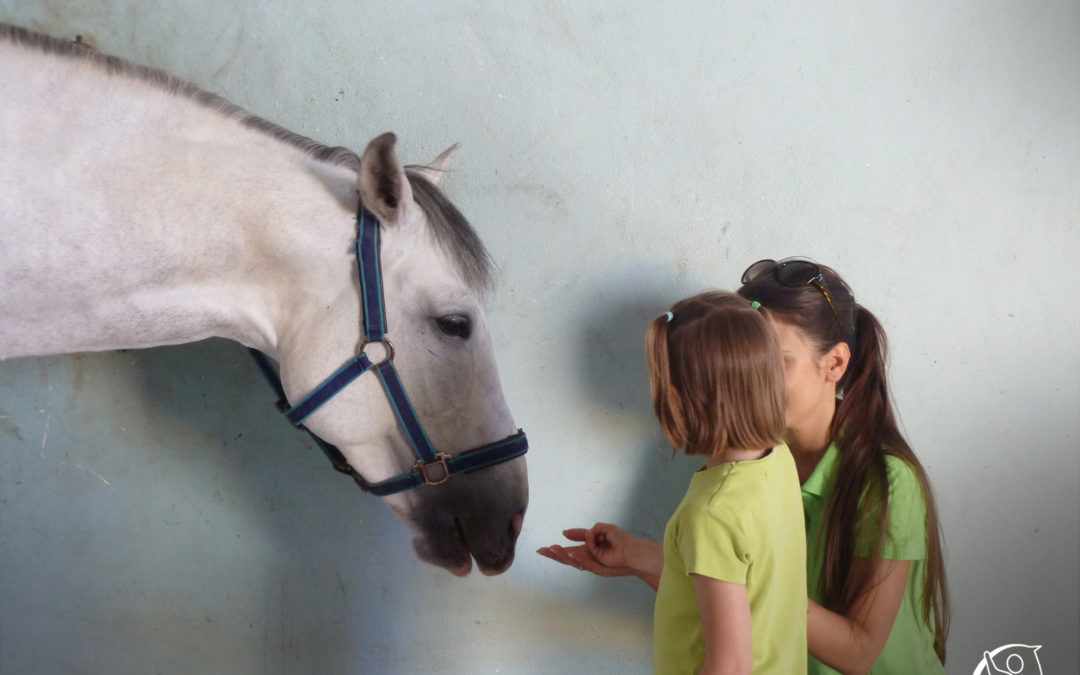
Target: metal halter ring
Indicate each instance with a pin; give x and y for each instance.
(385, 342)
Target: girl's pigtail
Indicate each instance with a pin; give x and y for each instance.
(666, 400)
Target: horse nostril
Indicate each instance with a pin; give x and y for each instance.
(459, 532)
(515, 525)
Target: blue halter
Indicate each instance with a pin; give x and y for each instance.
(431, 467)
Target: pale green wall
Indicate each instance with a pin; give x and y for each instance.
(156, 516)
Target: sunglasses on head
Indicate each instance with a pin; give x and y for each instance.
(793, 273)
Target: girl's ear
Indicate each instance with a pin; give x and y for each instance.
(836, 361)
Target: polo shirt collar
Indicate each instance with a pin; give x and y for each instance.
(818, 482)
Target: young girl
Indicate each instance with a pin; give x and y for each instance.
(875, 574)
(731, 596)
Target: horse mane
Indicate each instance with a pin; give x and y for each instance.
(450, 228)
(114, 65)
(453, 232)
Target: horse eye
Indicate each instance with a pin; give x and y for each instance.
(455, 325)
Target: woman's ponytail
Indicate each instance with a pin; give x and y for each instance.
(865, 430)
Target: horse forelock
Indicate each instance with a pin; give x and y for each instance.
(452, 231)
(115, 66)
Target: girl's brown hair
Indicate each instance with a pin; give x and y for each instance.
(865, 430)
(716, 375)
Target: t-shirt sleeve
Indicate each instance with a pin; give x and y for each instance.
(906, 535)
(712, 545)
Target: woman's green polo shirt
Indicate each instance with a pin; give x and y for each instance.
(910, 648)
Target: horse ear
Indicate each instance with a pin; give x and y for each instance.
(434, 171)
(384, 189)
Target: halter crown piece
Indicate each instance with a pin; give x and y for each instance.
(431, 467)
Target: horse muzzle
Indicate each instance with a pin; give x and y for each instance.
(456, 526)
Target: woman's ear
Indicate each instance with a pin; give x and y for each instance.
(836, 361)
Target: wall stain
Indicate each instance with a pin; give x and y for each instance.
(9, 427)
(551, 204)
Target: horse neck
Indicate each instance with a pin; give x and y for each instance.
(131, 216)
(239, 248)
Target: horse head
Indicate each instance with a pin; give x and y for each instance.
(435, 272)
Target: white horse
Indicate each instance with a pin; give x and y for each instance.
(137, 210)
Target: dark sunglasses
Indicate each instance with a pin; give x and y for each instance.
(793, 273)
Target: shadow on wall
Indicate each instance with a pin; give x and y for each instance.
(321, 532)
(613, 369)
(159, 513)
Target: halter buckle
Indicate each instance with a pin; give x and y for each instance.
(438, 468)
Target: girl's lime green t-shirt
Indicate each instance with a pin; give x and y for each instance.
(910, 648)
(742, 523)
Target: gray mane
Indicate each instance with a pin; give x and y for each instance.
(451, 230)
(114, 65)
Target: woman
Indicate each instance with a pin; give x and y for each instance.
(875, 573)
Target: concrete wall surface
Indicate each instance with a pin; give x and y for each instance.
(156, 515)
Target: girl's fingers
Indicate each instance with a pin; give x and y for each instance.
(560, 555)
(575, 533)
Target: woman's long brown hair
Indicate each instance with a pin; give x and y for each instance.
(865, 431)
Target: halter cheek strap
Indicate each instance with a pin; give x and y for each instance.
(431, 467)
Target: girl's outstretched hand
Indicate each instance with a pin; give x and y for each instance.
(601, 550)
(610, 545)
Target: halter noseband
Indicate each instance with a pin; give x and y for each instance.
(431, 467)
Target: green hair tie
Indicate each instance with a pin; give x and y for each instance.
(755, 304)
